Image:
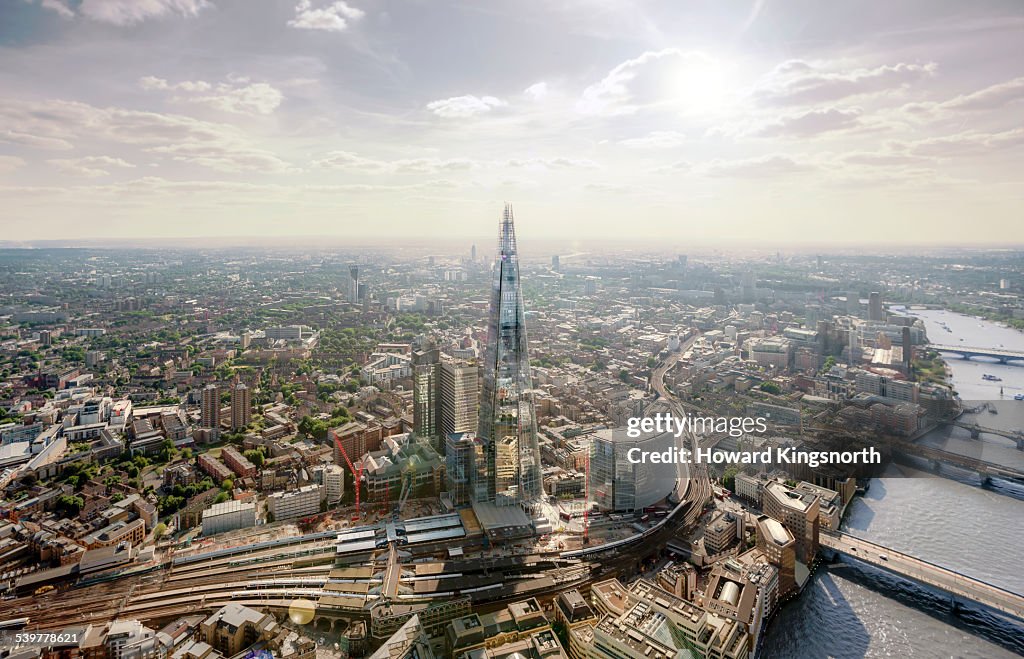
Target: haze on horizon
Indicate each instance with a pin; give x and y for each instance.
(759, 122)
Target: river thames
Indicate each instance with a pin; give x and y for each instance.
(852, 610)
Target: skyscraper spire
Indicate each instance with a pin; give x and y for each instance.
(511, 473)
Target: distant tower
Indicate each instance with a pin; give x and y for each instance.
(241, 407)
(211, 407)
(908, 350)
(508, 425)
(853, 303)
(875, 306)
(353, 283)
(472, 253)
(555, 263)
(748, 284)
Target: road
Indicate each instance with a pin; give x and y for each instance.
(927, 573)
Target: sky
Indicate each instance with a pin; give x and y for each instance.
(707, 122)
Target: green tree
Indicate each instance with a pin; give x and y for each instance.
(70, 504)
(729, 478)
(255, 457)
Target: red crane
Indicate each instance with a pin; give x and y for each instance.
(357, 475)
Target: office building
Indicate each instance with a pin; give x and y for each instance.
(235, 627)
(302, 502)
(797, 510)
(779, 548)
(354, 440)
(616, 484)
(460, 397)
(463, 452)
(875, 311)
(426, 399)
(332, 478)
(507, 414)
(241, 407)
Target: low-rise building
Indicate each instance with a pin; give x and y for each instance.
(229, 516)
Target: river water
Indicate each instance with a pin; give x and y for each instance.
(853, 610)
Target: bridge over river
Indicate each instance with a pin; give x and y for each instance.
(949, 581)
(969, 352)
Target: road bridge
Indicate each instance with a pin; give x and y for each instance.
(969, 352)
(949, 581)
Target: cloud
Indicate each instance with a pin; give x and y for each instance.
(334, 17)
(129, 12)
(34, 141)
(59, 6)
(659, 139)
(963, 144)
(537, 91)
(10, 163)
(185, 139)
(552, 163)
(89, 166)
(238, 95)
(464, 106)
(356, 163)
(989, 98)
(640, 81)
(797, 82)
(225, 157)
(810, 123)
(881, 158)
(761, 167)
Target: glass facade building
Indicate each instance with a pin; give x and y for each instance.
(510, 473)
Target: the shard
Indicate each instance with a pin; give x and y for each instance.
(511, 471)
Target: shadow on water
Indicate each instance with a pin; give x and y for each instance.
(798, 624)
(861, 514)
(968, 617)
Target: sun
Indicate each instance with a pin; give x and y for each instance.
(700, 85)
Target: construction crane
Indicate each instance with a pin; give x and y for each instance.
(357, 475)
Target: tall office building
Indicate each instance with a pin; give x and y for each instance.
(511, 469)
(853, 303)
(472, 253)
(875, 306)
(241, 407)
(353, 283)
(556, 263)
(211, 407)
(460, 397)
(426, 366)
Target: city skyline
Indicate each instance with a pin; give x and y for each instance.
(800, 124)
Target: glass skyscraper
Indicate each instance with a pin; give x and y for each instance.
(510, 474)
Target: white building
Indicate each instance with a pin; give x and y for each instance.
(295, 503)
(332, 477)
(228, 516)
